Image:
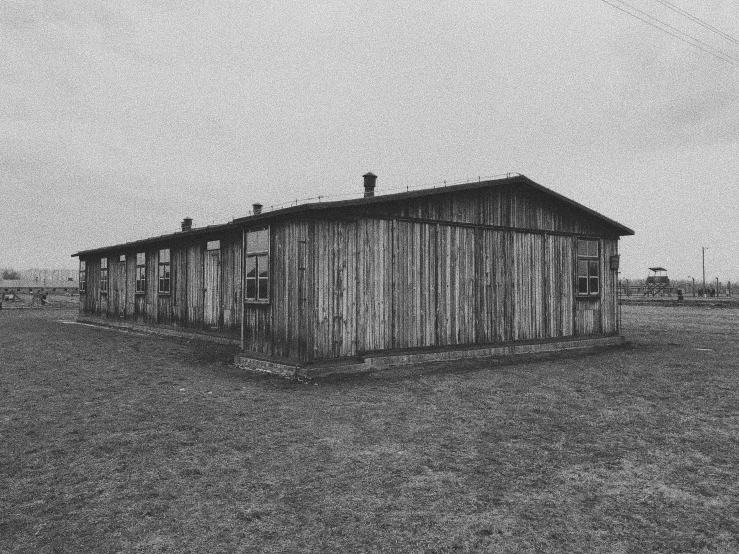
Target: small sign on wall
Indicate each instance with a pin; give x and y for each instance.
(615, 260)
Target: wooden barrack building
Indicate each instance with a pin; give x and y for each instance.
(447, 270)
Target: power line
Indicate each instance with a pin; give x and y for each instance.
(714, 49)
(695, 42)
(698, 20)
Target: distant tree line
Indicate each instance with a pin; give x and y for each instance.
(38, 275)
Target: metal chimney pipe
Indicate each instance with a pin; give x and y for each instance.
(186, 224)
(256, 208)
(370, 180)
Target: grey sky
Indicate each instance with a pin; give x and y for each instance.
(118, 119)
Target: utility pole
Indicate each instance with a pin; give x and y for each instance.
(704, 270)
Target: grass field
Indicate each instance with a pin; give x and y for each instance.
(122, 442)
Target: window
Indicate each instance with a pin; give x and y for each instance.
(122, 258)
(164, 279)
(140, 273)
(213, 245)
(104, 275)
(588, 267)
(257, 266)
(83, 276)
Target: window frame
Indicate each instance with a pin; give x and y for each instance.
(591, 260)
(104, 280)
(260, 257)
(82, 284)
(140, 273)
(167, 276)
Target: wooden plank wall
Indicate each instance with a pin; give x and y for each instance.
(588, 316)
(506, 206)
(296, 318)
(129, 306)
(151, 299)
(423, 284)
(117, 283)
(433, 273)
(375, 300)
(334, 305)
(381, 284)
(609, 300)
(183, 307)
(559, 286)
(194, 279)
(231, 286)
(272, 329)
(90, 301)
(178, 287)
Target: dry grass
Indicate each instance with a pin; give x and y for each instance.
(120, 442)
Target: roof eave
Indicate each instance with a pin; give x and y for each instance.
(161, 238)
(621, 230)
(521, 179)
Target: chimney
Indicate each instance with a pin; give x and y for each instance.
(186, 224)
(256, 209)
(369, 184)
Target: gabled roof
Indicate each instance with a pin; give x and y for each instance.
(387, 198)
(373, 200)
(194, 232)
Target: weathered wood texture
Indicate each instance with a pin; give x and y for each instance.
(609, 298)
(503, 206)
(342, 288)
(212, 288)
(427, 284)
(273, 329)
(194, 273)
(479, 267)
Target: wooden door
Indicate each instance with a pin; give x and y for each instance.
(118, 280)
(212, 289)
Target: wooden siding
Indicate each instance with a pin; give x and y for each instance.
(346, 287)
(231, 287)
(212, 288)
(513, 206)
(184, 306)
(274, 328)
(335, 294)
(559, 285)
(342, 288)
(588, 314)
(480, 267)
(117, 286)
(609, 297)
(424, 285)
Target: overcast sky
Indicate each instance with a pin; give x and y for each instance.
(120, 118)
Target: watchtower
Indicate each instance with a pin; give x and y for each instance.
(658, 283)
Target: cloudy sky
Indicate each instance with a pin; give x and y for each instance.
(120, 118)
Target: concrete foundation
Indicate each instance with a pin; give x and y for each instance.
(371, 362)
